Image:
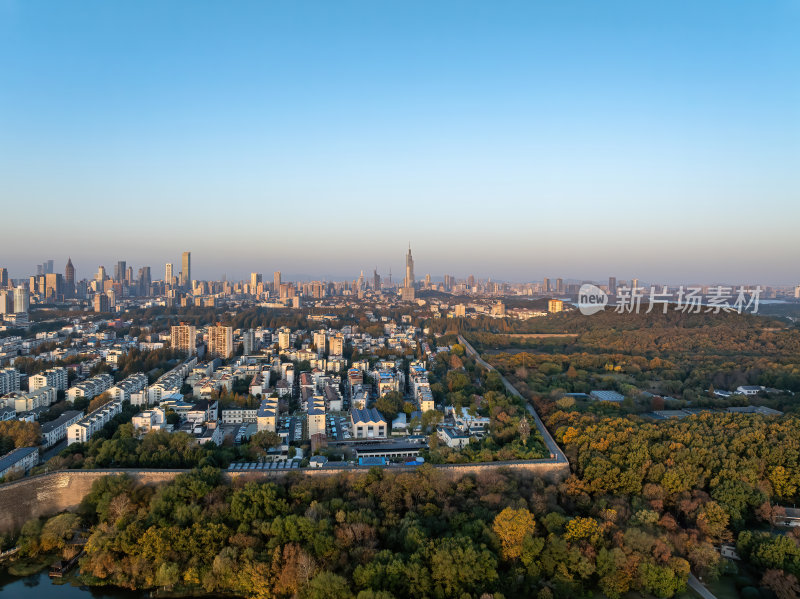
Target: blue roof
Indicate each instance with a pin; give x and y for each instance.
(371, 461)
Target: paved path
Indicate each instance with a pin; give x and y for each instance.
(552, 446)
(699, 588)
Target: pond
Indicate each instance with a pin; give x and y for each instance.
(40, 586)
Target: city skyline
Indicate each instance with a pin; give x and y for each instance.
(398, 276)
(622, 137)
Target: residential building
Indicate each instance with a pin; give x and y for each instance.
(555, 305)
(56, 430)
(54, 377)
(81, 431)
(19, 461)
(9, 380)
(267, 416)
(184, 337)
(220, 341)
(91, 388)
(154, 419)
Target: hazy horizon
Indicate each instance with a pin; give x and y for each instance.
(518, 140)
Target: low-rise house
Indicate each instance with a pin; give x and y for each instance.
(239, 416)
(604, 395)
(452, 437)
(367, 424)
(154, 419)
(749, 389)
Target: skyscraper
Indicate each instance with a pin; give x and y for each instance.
(119, 272)
(409, 280)
(168, 274)
(546, 285)
(3, 278)
(276, 281)
(53, 287)
(255, 279)
(144, 281)
(21, 300)
(560, 285)
(612, 285)
(69, 279)
(408, 291)
(186, 272)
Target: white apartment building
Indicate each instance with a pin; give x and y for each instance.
(126, 387)
(81, 431)
(55, 430)
(54, 377)
(9, 380)
(91, 388)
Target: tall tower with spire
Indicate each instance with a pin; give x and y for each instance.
(69, 278)
(409, 280)
(408, 292)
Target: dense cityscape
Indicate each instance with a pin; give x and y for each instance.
(344, 299)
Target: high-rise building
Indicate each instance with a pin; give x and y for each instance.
(255, 279)
(184, 338)
(409, 280)
(276, 281)
(129, 275)
(6, 301)
(101, 274)
(119, 271)
(21, 300)
(53, 287)
(3, 278)
(168, 274)
(612, 285)
(220, 341)
(101, 302)
(186, 272)
(559, 285)
(248, 341)
(376, 279)
(144, 281)
(546, 285)
(69, 279)
(408, 292)
(634, 283)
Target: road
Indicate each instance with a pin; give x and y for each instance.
(698, 588)
(552, 446)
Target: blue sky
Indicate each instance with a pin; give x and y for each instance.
(513, 139)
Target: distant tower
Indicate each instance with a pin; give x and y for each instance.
(409, 280)
(69, 278)
(276, 281)
(186, 272)
(119, 272)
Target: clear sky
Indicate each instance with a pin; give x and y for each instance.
(513, 139)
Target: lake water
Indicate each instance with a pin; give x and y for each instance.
(39, 586)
